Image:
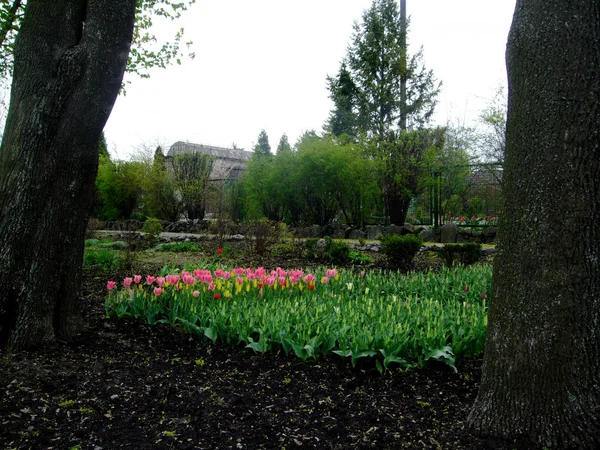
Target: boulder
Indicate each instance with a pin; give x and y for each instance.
(408, 228)
(489, 234)
(428, 235)
(394, 229)
(356, 234)
(374, 232)
(448, 232)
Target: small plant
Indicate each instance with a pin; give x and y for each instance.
(338, 251)
(105, 259)
(362, 241)
(177, 247)
(152, 229)
(466, 254)
(266, 234)
(359, 258)
(400, 250)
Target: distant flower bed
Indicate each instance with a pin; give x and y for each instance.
(473, 220)
(402, 320)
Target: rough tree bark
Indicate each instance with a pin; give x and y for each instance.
(541, 374)
(69, 61)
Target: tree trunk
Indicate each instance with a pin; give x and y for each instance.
(541, 373)
(70, 56)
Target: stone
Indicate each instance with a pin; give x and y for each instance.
(428, 235)
(448, 232)
(408, 228)
(489, 234)
(394, 229)
(356, 234)
(374, 232)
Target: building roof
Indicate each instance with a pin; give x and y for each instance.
(180, 147)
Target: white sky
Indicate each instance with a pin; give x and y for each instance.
(263, 64)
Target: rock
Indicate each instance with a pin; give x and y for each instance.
(428, 235)
(394, 229)
(489, 234)
(488, 251)
(356, 234)
(237, 237)
(374, 232)
(449, 232)
(408, 228)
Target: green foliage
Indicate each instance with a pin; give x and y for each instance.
(119, 187)
(103, 258)
(359, 258)
(191, 172)
(177, 247)
(146, 51)
(391, 321)
(367, 90)
(400, 250)
(468, 253)
(284, 145)
(152, 229)
(159, 191)
(338, 251)
(262, 147)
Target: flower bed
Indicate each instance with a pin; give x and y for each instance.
(404, 320)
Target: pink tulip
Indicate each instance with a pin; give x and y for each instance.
(466, 288)
(160, 281)
(331, 273)
(195, 293)
(111, 285)
(172, 279)
(308, 278)
(157, 291)
(325, 280)
(137, 279)
(483, 296)
(150, 279)
(127, 281)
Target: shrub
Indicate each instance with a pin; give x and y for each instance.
(105, 259)
(338, 251)
(152, 229)
(359, 258)
(467, 254)
(400, 250)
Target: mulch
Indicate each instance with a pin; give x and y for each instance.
(126, 385)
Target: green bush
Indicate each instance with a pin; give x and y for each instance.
(338, 251)
(177, 247)
(466, 254)
(400, 250)
(359, 258)
(105, 259)
(152, 229)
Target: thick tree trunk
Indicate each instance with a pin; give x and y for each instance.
(541, 374)
(70, 56)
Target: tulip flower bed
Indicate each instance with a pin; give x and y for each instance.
(402, 320)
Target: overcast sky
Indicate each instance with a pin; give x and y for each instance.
(262, 64)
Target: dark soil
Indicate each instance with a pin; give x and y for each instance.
(123, 384)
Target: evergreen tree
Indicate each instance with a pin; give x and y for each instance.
(284, 145)
(343, 118)
(368, 87)
(263, 148)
